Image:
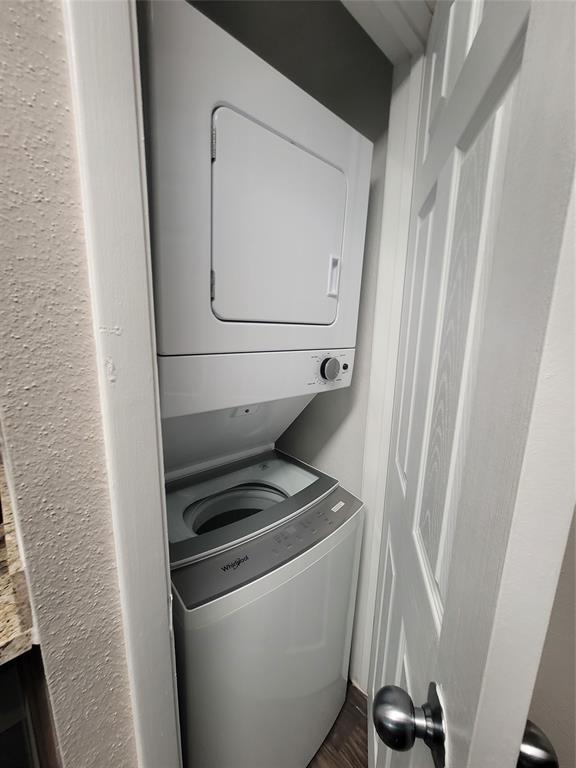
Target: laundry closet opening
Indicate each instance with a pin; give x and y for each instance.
(266, 128)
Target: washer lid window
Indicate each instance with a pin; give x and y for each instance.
(277, 226)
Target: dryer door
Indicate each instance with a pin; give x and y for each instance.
(277, 226)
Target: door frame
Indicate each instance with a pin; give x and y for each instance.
(102, 43)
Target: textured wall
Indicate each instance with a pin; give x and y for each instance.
(49, 405)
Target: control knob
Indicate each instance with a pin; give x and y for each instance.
(329, 368)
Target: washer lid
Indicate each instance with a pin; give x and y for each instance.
(298, 487)
(277, 226)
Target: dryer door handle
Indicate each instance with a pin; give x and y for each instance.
(333, 276)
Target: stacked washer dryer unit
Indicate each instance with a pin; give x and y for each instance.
(258, 202)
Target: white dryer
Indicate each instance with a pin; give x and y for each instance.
(259, 199)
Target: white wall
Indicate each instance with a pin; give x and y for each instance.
(330, 432)
(49, 401)
(554, 699)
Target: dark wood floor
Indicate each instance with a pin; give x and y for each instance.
(346, 745)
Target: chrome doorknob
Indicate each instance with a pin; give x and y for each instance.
(536, 750)
(399, 723)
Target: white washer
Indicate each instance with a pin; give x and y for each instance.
(263, 609)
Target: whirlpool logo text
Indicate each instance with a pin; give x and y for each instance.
(235, 563)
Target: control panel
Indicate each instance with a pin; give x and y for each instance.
(332, 368)
(258, 378)
(218, 574)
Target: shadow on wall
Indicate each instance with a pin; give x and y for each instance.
(330, 432)
(319, 46)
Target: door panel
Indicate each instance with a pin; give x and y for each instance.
(474, 181)
(446, 546)
(422, 271)
(464, 19)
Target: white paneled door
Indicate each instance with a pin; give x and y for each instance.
(480, 483)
